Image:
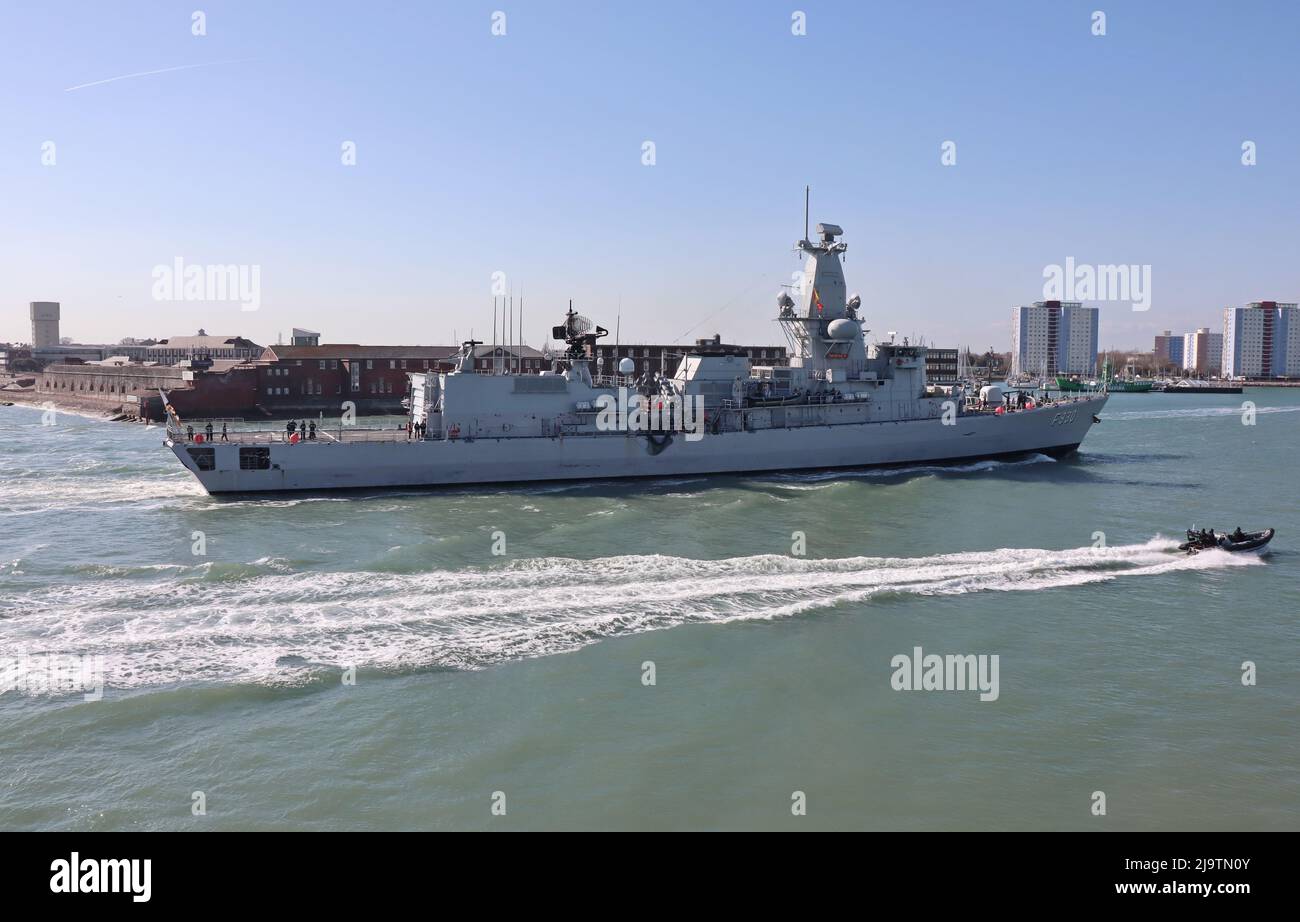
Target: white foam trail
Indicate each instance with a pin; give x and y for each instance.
(89, 491)
(207, 626)
(792, 480)
(1192, 413)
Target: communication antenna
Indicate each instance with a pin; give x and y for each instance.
(805, 211)
(494, 334)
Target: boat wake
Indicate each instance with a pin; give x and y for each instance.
(1192, 413)
(904, 470)
(277, 628)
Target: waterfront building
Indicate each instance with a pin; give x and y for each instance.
(1054, 337)
(940, 365)
(1261, 340)
(202, 345)
(224, 388)
(1169, 350)
(298, 376)
(1203, 352)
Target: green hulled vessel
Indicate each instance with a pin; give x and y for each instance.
(1129, 384)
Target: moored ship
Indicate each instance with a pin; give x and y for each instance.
(1128, 383)
(839, 404)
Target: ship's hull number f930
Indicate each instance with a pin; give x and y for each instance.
(1064, 418)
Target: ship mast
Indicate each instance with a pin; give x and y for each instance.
(822, 326)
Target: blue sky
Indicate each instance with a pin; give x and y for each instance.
(523, 154)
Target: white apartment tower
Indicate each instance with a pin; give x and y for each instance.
(1261, 340)
(1203, 352)
(1056, 337)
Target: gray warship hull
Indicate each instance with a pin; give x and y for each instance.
(393, 460)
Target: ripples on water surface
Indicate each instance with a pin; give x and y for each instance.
(97, 523)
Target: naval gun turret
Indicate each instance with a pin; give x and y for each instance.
(467, 355)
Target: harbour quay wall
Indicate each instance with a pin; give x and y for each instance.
(132, 390)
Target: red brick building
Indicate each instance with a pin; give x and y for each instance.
(512, 359)
(280, 381)
(664, 359)
(322, 377)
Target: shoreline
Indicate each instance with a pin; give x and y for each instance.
(118, 412)
(35, 401)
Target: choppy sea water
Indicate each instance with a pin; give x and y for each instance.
(366, 661)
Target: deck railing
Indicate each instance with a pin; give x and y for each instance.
(722, 419)
(191, 431)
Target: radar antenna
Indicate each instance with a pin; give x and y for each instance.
(579, 332)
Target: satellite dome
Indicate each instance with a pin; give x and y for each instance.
(844, 330)
(626, 366)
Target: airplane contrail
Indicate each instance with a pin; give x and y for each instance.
(148, 73)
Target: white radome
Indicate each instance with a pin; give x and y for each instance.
(626, 366)
(843, 330)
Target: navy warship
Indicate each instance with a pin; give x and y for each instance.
(840, 403)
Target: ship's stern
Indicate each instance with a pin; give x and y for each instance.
(202, 461)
